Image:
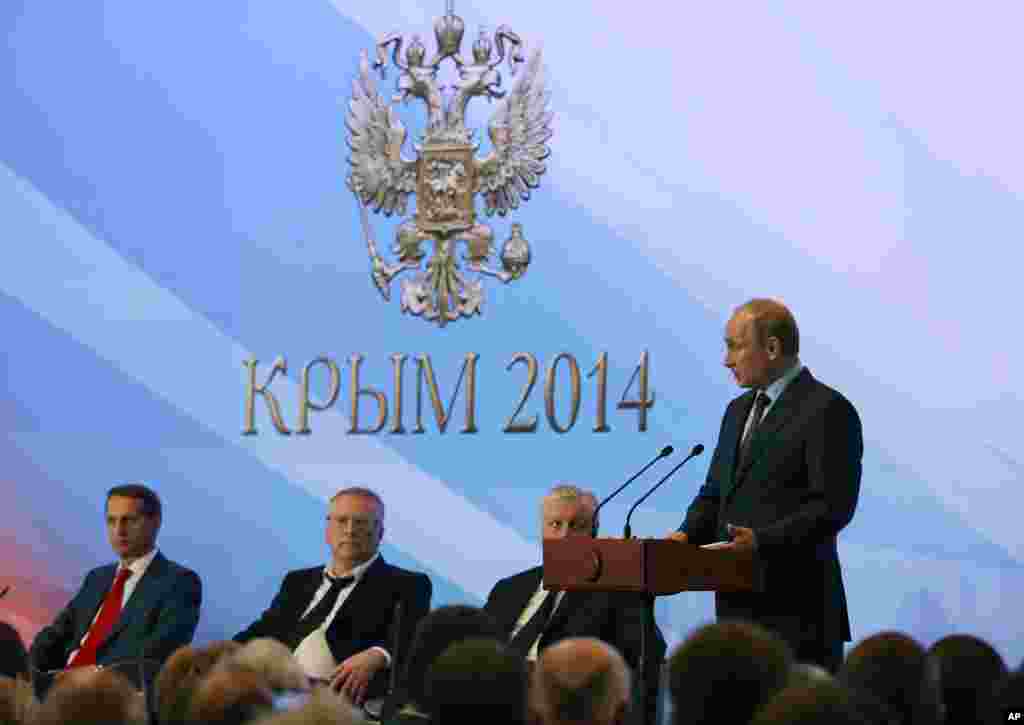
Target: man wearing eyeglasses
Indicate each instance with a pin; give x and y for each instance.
(339, 619)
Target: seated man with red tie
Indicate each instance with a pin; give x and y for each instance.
(144, 606)
(340, 619)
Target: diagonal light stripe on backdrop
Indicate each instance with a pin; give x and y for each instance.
(80, 285)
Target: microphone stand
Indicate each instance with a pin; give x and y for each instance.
(647, 627)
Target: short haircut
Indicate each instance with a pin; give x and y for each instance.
(274, 661)
(821, 703)
(477, 680)
(724, 671)
(435, 633)
(365, 493)
(583, 696)
(17, 703)
(91, 697)
(151, 505)
(967, 667)
(572, 492)
(893, 667)
(771, 318)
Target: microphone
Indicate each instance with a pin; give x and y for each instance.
(697, 450)
(665, 453)
(396, 620)
(3, 592)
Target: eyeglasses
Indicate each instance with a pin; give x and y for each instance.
(358, 524)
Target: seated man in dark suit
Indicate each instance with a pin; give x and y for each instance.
(143, 606)
(534, 618)
(339, 618)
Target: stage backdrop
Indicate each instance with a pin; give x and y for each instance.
(173, 204)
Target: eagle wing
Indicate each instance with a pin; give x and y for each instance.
(519, 129)
(379, 174)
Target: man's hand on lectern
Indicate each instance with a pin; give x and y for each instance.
(678, 536)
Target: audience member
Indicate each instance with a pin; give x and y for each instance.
(181, 675)
(434, 634)
(724, 671)
(820, 703)
(274, 661)
(967, 669)
(89, 696)
(894, 668)
(230, 696)
(16, 701)
(477, 681)
(580, 681)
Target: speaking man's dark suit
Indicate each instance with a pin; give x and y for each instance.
(160, 616)
(364, 620)
(797, 489)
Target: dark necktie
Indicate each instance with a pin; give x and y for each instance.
(760, 403)
(525, 637)
(316, 616)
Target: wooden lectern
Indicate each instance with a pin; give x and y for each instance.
(651, 568)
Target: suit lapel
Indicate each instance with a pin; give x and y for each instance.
(781, 414)
(731, 436)
(93, 600)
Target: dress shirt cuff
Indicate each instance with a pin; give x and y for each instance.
(387, 655)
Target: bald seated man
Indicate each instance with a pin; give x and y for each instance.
(580, 680)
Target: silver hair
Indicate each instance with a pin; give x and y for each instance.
(365, 493)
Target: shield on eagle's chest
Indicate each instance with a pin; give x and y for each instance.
(445, 184)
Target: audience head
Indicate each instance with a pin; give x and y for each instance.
(894, 668)
(567, 510)
(580, 680)
(181, 675)
(13, 657)
(322, 708)
(88, 696)
(967, 668)
(274, 661)
(820, 703)
(230, 696)
(724, 671)
(434, 634)
(134, 514)
(16, 701)
(477, 680)
(807, 674)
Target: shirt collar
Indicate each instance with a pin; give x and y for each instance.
(139, 566)
(356, 572)
(776, 389)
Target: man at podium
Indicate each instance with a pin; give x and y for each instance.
(783, 482)
(534, 617)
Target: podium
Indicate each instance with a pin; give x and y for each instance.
(657, 567)
(649, 568)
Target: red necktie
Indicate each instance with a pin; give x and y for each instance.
(105, 622)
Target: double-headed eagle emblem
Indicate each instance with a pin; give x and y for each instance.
(447, 173)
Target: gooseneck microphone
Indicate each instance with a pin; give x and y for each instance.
(665, 453)
(697, 450)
